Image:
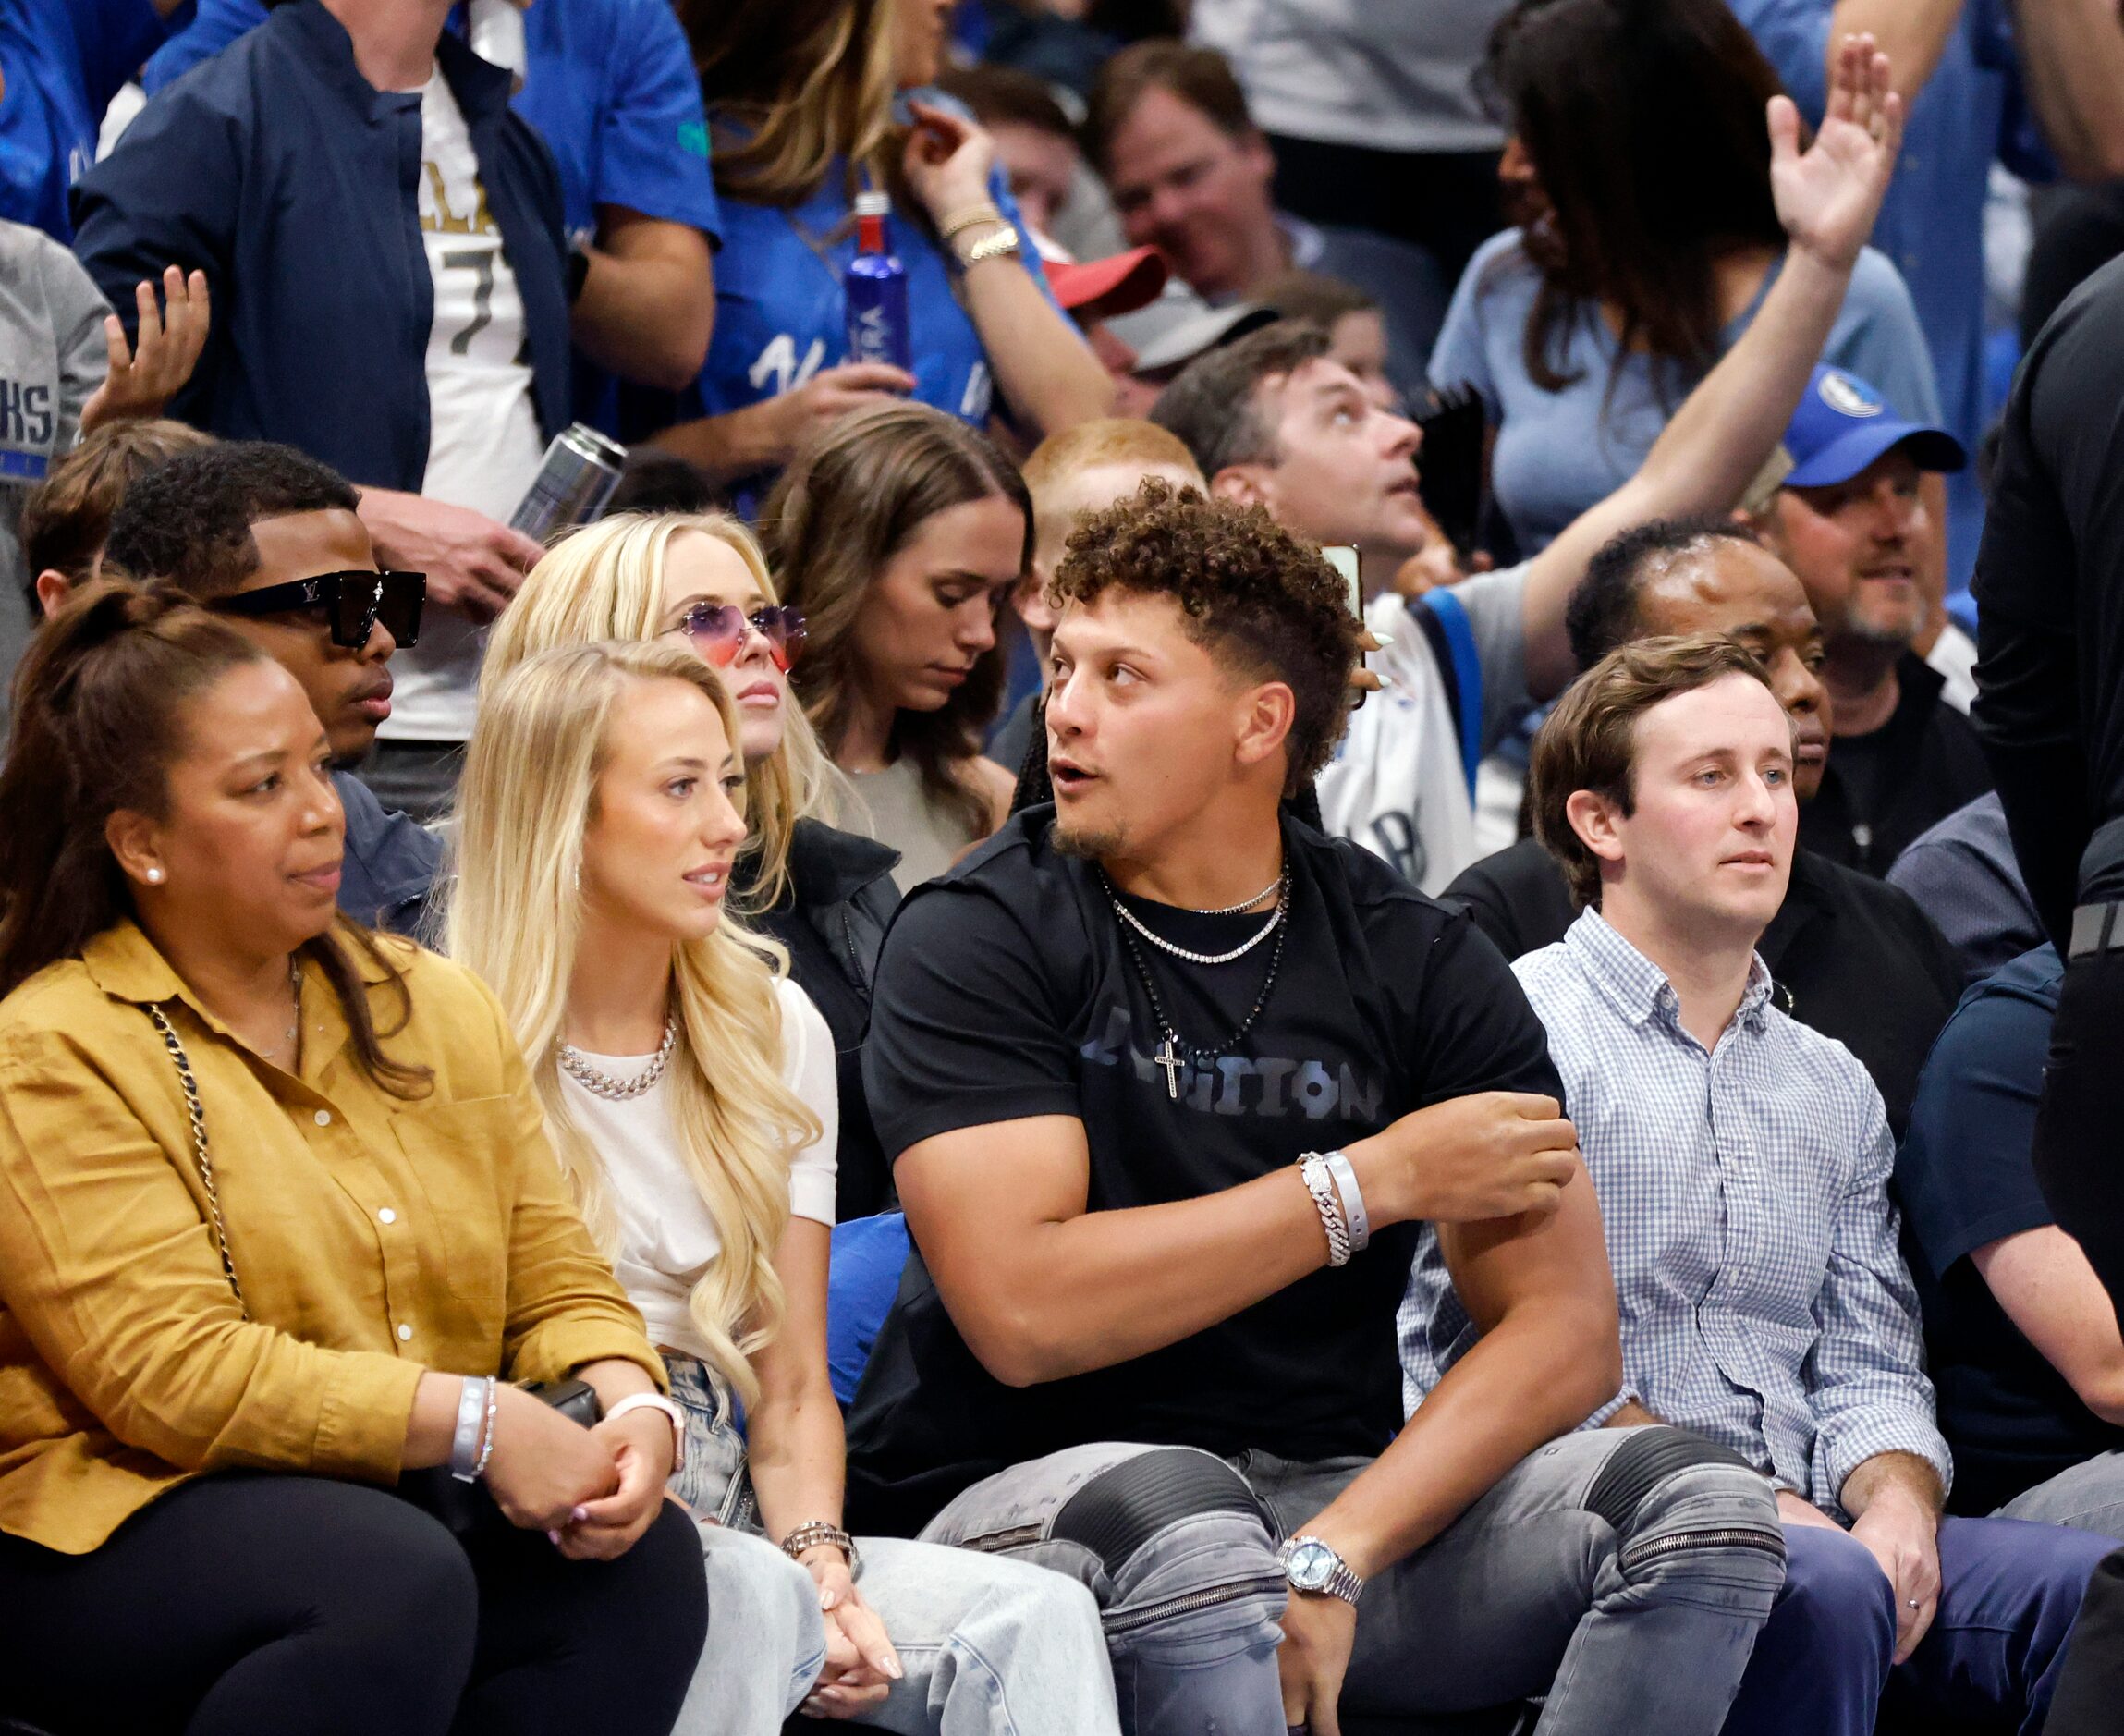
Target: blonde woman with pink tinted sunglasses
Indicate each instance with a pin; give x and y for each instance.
(699, 578)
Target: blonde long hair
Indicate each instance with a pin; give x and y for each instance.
(527, 799)
(606, 581)
(790, 85)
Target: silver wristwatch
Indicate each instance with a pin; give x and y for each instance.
(1312, 1566)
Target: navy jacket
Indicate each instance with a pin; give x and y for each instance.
(293, 183)
(391, 862)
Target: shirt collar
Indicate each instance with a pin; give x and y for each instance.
(481, 90)
(124, 964)
(1638, 988)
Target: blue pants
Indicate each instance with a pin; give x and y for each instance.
(2009, 1591)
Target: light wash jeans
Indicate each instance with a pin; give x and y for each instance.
(991, 1647)
(1624, 1572)
(2090, 1496)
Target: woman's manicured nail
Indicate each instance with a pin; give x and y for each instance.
(554, 1537)
(578, 1515)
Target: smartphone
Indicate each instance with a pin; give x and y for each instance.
(1342, 557)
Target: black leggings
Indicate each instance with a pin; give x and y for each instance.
(248, 1604)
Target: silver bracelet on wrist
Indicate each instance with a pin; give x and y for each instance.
(1352, 1197)
(475, 1402)
(1313, 1172)
(487, 1438)
(818, 1532)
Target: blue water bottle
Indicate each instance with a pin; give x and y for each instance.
(876, 291)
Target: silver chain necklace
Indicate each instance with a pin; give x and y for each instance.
(1244, 904)
(1282, 889)
(600, 1084)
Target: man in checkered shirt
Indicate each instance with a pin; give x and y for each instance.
(1741, 1162)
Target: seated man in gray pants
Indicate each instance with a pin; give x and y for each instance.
(1174, 1082)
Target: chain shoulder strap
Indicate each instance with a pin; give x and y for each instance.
(198, 1147)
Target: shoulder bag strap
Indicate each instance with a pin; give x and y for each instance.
(198, 1147)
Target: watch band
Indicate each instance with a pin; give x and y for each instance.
(1352, 1197)
(1004, 244)
(1320, 1183)
(475, 1393)
(1342, 1580)
(657, 1402)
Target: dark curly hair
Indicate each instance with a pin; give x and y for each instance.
(186, 522)
(1602, 614)
(1250, 590)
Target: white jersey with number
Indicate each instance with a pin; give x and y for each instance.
(484, 446)
(1397, 783)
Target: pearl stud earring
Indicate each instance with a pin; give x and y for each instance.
(154, 876)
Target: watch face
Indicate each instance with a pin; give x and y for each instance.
(1310, 1565)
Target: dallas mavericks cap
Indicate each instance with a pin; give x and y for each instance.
(1842, 426)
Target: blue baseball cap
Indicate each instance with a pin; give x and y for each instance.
(1842, 426)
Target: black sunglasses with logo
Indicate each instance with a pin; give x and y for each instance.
(350, 602)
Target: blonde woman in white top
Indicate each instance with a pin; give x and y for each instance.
(688, 1088)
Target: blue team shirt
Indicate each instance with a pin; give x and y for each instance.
(608, 84)
(781, 311)
(63, 61)
(1972, 111)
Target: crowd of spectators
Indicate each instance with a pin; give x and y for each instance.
(1061, 866)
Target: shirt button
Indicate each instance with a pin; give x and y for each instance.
(404, 1333)
(323, 1118)
(387, 1215)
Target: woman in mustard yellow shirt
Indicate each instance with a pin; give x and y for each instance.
(277, 1209)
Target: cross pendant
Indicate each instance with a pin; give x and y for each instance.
(1169, 1057)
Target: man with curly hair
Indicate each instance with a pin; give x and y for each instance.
(1177, 1087)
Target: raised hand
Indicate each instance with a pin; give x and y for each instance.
(145, 375)
(1828, 197)
(947, 162)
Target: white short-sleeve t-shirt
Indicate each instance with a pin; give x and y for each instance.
(483, 447)
(666, 1238)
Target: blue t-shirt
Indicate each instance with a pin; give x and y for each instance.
(1972, 111)
(63, 61)
(781, 309)
(1558, 453)
(1965, 1178)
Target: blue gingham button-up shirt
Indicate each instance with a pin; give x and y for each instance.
(1745, 1192)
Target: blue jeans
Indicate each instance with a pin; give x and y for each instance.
(2009, 1591)
(1625, 1573)
(990, 1647)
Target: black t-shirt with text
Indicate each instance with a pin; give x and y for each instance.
(1005, 991)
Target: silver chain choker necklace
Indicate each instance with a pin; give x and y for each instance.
(1281, 889)
(600, 1084)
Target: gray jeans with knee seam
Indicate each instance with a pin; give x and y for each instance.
(1624, 1572)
